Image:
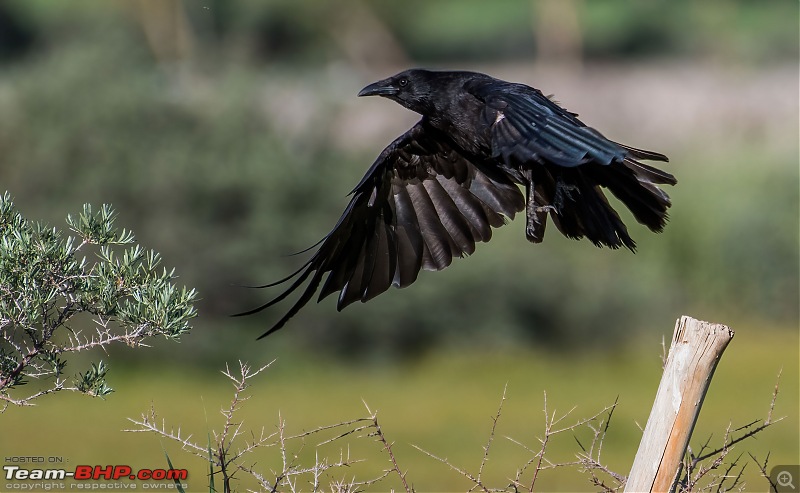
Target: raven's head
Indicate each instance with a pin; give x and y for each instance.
(412, 89)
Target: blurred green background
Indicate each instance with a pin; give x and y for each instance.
(226, 135)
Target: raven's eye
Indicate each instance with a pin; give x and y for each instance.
(402, 82)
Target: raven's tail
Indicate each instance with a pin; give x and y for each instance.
(579, 208)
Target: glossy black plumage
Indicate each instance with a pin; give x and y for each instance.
(441, 187)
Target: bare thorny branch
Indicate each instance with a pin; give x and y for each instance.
(707, 465)
(378, 434)
(552, 429)
(75, 342)
(233, 444)
(495, 419)
(589, 460)
(700, 466)
(477, 480)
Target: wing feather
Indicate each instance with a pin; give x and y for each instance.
(410, 245)
(421, 204)
(471, 209)
(458, 230)
(437, 241)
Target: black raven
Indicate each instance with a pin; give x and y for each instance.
(440, 187)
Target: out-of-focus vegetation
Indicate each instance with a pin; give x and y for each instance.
(227, 135)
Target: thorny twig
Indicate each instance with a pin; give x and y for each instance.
(378, 433)
(590, 459)
(762, 468)
(495, 419)
(539, 457)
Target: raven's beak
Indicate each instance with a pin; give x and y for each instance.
(380, 88)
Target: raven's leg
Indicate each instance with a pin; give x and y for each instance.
(563, 191)
(536, 215)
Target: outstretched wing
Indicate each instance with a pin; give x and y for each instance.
(572, 161)
(420, 204)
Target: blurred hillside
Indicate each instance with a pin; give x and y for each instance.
(227, 134)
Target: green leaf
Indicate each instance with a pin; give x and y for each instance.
(211, 487)
(178, 484)
(93, 382)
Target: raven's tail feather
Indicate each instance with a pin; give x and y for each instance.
(579, 207)
(635, 186)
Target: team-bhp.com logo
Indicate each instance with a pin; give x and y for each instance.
(86, 472)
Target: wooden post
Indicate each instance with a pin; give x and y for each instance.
(693, 355)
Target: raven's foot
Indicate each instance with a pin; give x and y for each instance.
(564, 191)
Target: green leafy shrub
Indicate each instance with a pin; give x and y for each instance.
(47, 286)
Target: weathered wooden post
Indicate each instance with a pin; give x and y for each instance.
(693, 355)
